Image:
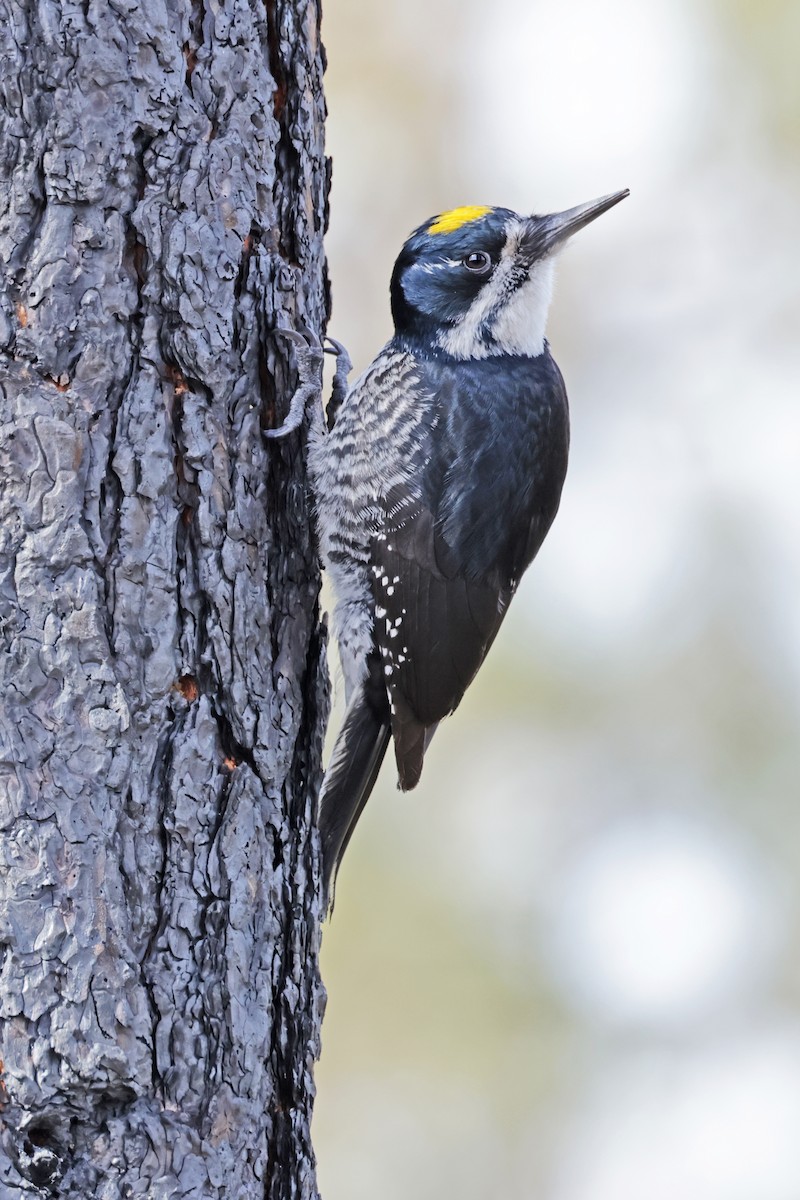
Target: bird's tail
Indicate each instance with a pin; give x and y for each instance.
(354, 766)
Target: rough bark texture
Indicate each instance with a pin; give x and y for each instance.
(162, 206)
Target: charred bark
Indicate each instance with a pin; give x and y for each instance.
(164, 693)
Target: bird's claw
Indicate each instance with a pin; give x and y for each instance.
(294, 336)
(339, 386)
(308, 351)
(332, 346)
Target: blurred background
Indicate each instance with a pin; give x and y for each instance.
(568, 965)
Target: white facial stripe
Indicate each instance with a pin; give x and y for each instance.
(520, 326)
(441, 264)
(463, 340)
(521, 309)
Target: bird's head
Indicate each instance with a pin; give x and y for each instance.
(476, 281)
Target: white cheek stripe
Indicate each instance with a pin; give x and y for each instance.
(521, 319)
(521, 324)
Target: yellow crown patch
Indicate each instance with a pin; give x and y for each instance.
(456, 217)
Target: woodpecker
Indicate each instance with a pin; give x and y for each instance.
(437, 484)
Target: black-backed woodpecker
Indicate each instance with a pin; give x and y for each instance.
(437, 484)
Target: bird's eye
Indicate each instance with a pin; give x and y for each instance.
(479, 262)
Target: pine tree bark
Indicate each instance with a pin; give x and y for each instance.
(164, 694)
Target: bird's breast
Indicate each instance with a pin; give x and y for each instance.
(498, 460)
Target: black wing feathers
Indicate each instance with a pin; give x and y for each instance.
(502, 452)
(458, 535)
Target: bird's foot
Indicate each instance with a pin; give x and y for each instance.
(308, 352)
(339, 387)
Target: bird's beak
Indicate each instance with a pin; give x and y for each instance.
(552, 231)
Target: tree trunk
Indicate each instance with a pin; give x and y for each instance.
(162, 209)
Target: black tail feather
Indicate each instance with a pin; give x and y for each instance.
(357, 756)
